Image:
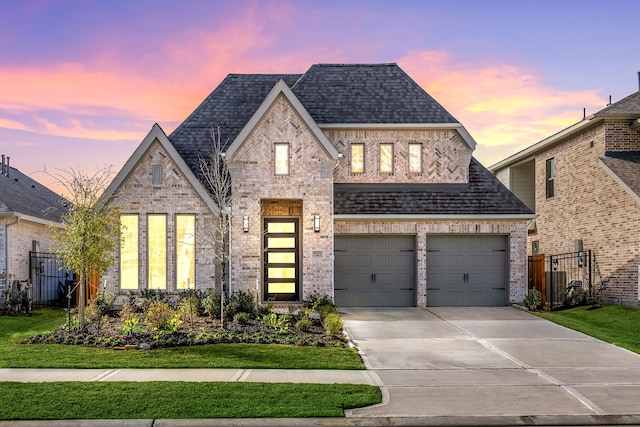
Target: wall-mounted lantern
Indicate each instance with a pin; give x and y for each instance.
(245, 223)
(316, 223)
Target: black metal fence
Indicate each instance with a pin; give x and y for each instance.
(567, 276)
(51, 282)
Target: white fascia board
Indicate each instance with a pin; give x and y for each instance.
(464, 134)
(156, 134)
(281, 88)
(620, 182)
(412, 217)
(541, 145)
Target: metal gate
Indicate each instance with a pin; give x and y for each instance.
(50, 281)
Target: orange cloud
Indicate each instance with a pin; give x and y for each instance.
(505, 107)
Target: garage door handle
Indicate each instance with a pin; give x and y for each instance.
(373, 278)
(433, 289)
(498, 289)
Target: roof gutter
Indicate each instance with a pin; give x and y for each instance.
(412, 217)
(30, 218)
(539, 146)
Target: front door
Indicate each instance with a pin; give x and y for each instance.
(281, 259)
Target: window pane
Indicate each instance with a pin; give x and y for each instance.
(282, 273)
(281, 288)
(415, 158)
(282, 159)
(129, 252)
(185, 251)
(157, 240)
(386, 158)
(357, 158)
(281, 258)
(281, 227)
(281, 242)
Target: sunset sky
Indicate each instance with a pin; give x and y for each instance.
(83, 81)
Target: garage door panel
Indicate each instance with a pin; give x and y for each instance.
(381, 270)
(467, 270)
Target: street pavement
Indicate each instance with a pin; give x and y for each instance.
(436, 366)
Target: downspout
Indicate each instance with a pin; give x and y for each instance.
(6, 249)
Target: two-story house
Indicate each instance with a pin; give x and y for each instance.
(584, 184)
(348, 181)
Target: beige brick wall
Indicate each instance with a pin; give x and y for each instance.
(21, 236)
(174, 196)
(589, 205)
(445, 156)
(515, 230)
(256, 186)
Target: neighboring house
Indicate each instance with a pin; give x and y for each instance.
(27, 209)
(584, 183)
(348, 181)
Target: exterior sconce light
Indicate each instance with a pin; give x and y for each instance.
(245, 223)
(316, 223)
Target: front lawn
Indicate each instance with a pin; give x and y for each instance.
(175, 400)
(13, 330)
(611, 323)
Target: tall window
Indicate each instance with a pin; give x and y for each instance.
(157, 247)
(185, 251)
(357, 158)
(386, 158)
(415, 158)
(282, 159)
(281, 261)
(129, 252)
(550, 177)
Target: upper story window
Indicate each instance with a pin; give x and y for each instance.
(415, 158)
(357, 158)
(386, 158)
(282, 158)
(550, 177)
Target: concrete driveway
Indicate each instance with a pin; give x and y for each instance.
(491, 362)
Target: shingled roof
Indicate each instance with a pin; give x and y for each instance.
(628, 106)
(366, 93)
(332, 94)
(20, 194)
(483, 195)
(626, 167)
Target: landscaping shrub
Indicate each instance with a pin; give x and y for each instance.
(240, 301)
(314, 299)
(189, 306)
(332, 323)
(241, 318)
(573, 296)
(105, 302)
(533, 300)
(211, 304)
(304, 324)
(158, 316)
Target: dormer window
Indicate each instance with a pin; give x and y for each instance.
(357, 158)
(282, 159)
(386, 158)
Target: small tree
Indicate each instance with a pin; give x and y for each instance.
(90, 235)
(215, 173)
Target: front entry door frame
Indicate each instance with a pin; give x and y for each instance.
(281, 263)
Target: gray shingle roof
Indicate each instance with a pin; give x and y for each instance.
(229, 106)
(627, 106)
(21, 194)
(359, 93)
(483, 195)
(366, 93)
(625, 166)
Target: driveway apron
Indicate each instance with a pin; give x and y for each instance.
(489, 362)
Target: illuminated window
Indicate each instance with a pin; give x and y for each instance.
(386, 158)
(129, 252)
(185, 251)
(357, 158)
(415, 158)
(157, 251)
(282, 159)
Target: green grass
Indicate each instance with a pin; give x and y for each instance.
(174, 400)
(241, 356)
(613, 324)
